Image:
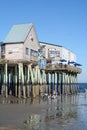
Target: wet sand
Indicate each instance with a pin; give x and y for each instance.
(63, 113)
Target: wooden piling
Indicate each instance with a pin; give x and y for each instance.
(6, 79)
(23, 83)
(59, 83)
(28, 82)
(19, 87)
(16, 80)
(55, 82)
(49, 81)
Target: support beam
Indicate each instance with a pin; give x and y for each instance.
(28, 79)
(23, 84)
(49, 81)
(6, 79)
(19, 87)
(16, 80)
(61, 83)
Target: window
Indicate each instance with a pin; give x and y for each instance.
(27, 51)
(31, 37)
(2, 51)
(3, 48)
(53, 53)
(33, 53)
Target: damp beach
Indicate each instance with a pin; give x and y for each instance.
(64, 113)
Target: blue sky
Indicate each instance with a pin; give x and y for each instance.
(62, 22)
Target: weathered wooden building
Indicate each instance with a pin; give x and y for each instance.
(29, 67)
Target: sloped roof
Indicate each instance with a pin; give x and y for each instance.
(49, 44)
(18, 33)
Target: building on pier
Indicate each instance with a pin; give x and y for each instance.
(29, 67)
(56, 54)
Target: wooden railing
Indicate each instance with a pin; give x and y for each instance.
(49, 67)
(62, 67)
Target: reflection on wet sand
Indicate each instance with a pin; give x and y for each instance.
(13, 100)
(39, 114)
(61, 112)
(10, 128)
(31, 100)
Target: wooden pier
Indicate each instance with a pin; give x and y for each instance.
(24, 78)
(20, 72)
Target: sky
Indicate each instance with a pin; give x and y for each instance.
(61, 22)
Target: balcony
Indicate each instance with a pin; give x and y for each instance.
(63, 68)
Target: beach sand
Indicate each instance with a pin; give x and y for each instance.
(62, 113)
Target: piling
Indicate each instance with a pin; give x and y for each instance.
(27, 79)
(6, 80)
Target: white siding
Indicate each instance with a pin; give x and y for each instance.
(64, 53)
(68, 55)
(31, 44)
(14, 51)
(49, 48)
(72, 57)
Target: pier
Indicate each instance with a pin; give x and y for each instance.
(29, 67)
(24, 79)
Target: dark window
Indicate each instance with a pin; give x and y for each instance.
(33, 53)
(53, 53)
(3, 51)
(27, 51)
(3, 48)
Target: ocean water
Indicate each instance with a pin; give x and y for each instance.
(82, 86)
